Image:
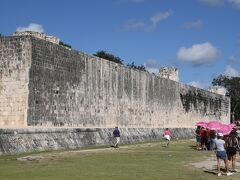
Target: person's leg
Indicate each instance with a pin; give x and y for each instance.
(218, 166)
(233, 162)
(118, 140)
(168, 141)
(226, 164)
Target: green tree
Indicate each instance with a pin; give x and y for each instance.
(140, 67)
(232, 84)
(108, 56)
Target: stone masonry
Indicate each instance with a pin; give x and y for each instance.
(45, 85)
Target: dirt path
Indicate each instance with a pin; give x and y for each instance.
(210, 164)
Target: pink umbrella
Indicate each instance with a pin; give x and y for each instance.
(201, 123)
(232, 125)
(226, 129)
(214, 125)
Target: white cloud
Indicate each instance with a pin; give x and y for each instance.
(230, 71)
(198, 54)
(152, 66)
(160, 17)
(134, 25)
(191, 25)
(213, 2)
(232, 60)
(235, 3)
(197, 84)
(31, 27)
(157, 18)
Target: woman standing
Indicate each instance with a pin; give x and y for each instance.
(232, 146)
(221, 154)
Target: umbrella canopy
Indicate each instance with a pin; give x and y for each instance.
(232, 125)
(226, 129)
(201, 123)
(214, 125)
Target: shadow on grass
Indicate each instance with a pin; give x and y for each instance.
(193, 147)
(210, 172)
(214, 171)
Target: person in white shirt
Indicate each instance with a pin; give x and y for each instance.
(221, 154)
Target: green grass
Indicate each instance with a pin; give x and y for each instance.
(140, 161)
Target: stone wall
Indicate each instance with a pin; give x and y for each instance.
(55, 98)
(72, 89)
(15, 59)
(68, 88)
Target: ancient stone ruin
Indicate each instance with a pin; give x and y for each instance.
(53, 97)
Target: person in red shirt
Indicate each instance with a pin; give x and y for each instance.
(167, 135)
(204, 138)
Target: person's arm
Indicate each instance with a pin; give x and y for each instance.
(238, 144)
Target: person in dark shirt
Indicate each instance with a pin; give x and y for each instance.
(232, 146)
(212, 135)
(116, 134)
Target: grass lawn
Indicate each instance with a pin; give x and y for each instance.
(139, 161)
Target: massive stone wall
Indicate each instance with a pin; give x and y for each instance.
(15, 59)
(52, 98)
(67, 88)
(72, 89)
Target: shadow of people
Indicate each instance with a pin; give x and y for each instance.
(213, 171)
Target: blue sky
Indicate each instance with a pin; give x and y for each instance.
(199, 37)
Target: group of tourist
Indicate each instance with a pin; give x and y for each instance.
(225, 147)
(205, 138)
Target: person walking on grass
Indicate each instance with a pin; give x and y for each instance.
(167, 135)
(116, 134)
(198, 138)
(232, 146)
(221, 154)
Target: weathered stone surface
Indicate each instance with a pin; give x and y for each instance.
(169, 73)
(43, 84)
(70, 88)
(14, 141)
(15, 60)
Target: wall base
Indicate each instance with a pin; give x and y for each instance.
(13, 141)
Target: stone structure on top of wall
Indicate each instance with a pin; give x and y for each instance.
(44, 85)
(169, 73)
(218, 89)
(39, 35)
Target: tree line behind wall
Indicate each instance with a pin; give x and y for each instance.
(232, 84)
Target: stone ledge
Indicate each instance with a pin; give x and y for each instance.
(13, 141)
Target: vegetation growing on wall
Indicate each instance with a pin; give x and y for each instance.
(113, 58)
(108, 56)
(64, 44)
(232, 84)
(140, 67)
